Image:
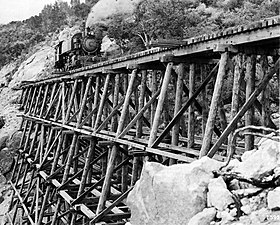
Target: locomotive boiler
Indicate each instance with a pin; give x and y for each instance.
(79, 50)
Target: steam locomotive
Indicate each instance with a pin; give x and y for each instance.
(82, 49)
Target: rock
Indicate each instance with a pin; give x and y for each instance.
(259, 216)
(170, 195)
(233, 163)
(6, 161)
(275, 117)
(218, 195)
(204, 217)
(33, 67)
(260, 163)
(273, 199)
(2, 179)
(14, 141)
(2, 121)
(3, 140)
(6, 70)
(233, 212)
(246, 155)
(246, 209)
(276, 171)
(225, 217)
(4, 205)
(247, 192)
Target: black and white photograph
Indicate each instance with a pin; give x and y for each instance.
(139, 112)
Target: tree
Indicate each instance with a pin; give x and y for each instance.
(151, 20)
(120, 28)
(81, 10)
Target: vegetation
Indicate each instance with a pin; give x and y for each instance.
(178, 19)
(18, 37)
(174, 19)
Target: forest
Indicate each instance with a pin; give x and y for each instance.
(179, 19)
(18, 37)
(175, 19)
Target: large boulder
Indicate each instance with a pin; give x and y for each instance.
(219, 196)
(260, 163)
(171, 195)
(34, 67)
(273, 199)
(204, 217)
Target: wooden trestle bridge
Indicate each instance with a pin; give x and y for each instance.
(87, 133)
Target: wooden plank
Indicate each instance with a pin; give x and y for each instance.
(214, 105)
(235, 92)
(178, 105)
(250, 86)
(170, 155)
(191, 118)
(102, 102)
(114, 204)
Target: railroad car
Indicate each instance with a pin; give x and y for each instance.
(79, 50)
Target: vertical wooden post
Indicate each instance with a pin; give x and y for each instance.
(102, 102)
(63, 101)
(114, 123)
(139, 123)
(191, 122)
(96, 97)
(250, 87)
(265, 95)
(111, 162)
(204, 103)
(27, 102)
(37, 100)
(222, 115)
(162, 95)
(235, 93)
(214, 105)
(178, 105)
(89, 157)
(32, 99)
(139, 126)
(154, 89)
(71, 101)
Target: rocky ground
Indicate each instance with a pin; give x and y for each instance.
(245, 192)
(37, 65)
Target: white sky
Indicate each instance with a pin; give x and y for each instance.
(13, 10)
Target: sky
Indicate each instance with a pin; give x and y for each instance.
(13, 10)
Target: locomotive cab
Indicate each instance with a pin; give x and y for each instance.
(58, 59)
